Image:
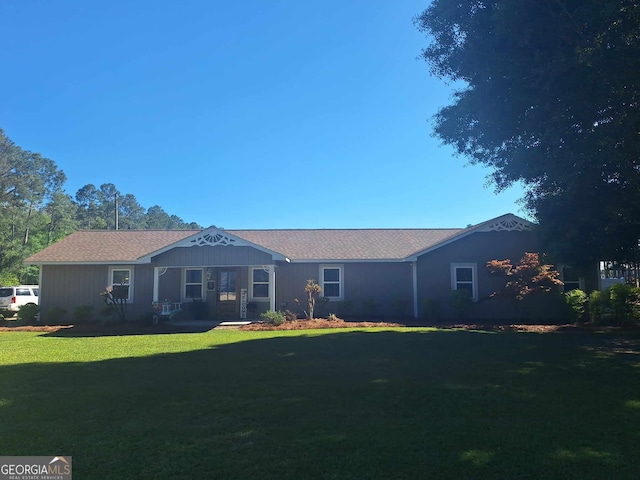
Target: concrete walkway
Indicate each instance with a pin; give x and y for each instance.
(206, 325)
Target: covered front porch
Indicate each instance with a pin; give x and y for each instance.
(215, 275)
(215, 292)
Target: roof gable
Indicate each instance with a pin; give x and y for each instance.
(213, 237)
(504, 223)
(315, 245)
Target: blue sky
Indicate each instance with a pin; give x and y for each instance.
(253, 114)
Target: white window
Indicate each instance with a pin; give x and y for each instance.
(331, 281)
(571, 279)
(193, 284)
(259, 284)
(121, 281)
(464, 277)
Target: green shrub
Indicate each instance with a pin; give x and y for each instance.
(145, 319)
(28, 313)
(321, 308)
(198, 310)
(55, 316)
(107, 315)
(624, 300)
(344, 308)
(274, 318)
(460, 302)
(83, 314)
(430, 308)
(400, 306)
(370, 307)
(576, 300)
(599, 302)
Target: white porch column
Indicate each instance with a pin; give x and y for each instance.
(156, 282)
(414, 272)
(272, 288)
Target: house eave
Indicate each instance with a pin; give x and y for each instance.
(507, 222)
(79, 263)
(348, 260)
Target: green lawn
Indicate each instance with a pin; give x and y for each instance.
(379, 404)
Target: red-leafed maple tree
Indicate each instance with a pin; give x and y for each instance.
(528, 277)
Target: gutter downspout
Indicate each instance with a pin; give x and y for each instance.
(156, 281)
(272, 288)
(414, 271)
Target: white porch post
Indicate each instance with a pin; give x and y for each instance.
(156, 281)
(272, 288)
(414, 271)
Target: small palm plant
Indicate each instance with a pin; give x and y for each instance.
(312, 289)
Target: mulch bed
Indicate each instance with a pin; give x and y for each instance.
(317, 323)
(94, 329)
(36, 328)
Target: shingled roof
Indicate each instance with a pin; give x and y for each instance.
(138, 246)
(108, 246)
(360, 244)
(128, 246)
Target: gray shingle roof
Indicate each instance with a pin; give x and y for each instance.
(101, 246)
(360, 244)
(110, 246)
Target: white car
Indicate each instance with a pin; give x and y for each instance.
(12, 298)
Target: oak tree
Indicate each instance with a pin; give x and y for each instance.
(548, 95)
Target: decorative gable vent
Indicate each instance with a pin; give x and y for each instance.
(215, 239)
(507, 224)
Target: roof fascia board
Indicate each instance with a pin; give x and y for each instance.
(503, 223)
(110, 262)
(212, 236)
(350, 260)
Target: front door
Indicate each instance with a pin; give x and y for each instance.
(227, 298)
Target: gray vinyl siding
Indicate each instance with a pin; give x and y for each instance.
(387, 284)
(71, 286)
(291, 279)
(434, 269)
(143, 292)
(208, 255)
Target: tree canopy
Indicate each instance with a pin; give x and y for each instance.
(35, 211)
(548, 95)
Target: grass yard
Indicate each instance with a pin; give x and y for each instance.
(375, 404)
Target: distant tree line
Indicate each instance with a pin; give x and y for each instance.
(35, 210)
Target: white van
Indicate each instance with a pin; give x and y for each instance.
(12, 298)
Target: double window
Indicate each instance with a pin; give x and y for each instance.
(331, 281)
(464, 277)
(121, 282)
(259, 284)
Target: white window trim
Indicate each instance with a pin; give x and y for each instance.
(561, 268)
(131, 279)
(340, 282)
(474, 277)
(203, 290)
(251, 283)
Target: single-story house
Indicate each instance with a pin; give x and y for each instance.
(235, 274)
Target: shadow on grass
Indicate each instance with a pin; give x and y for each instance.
(346, 405)
(94, 330)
